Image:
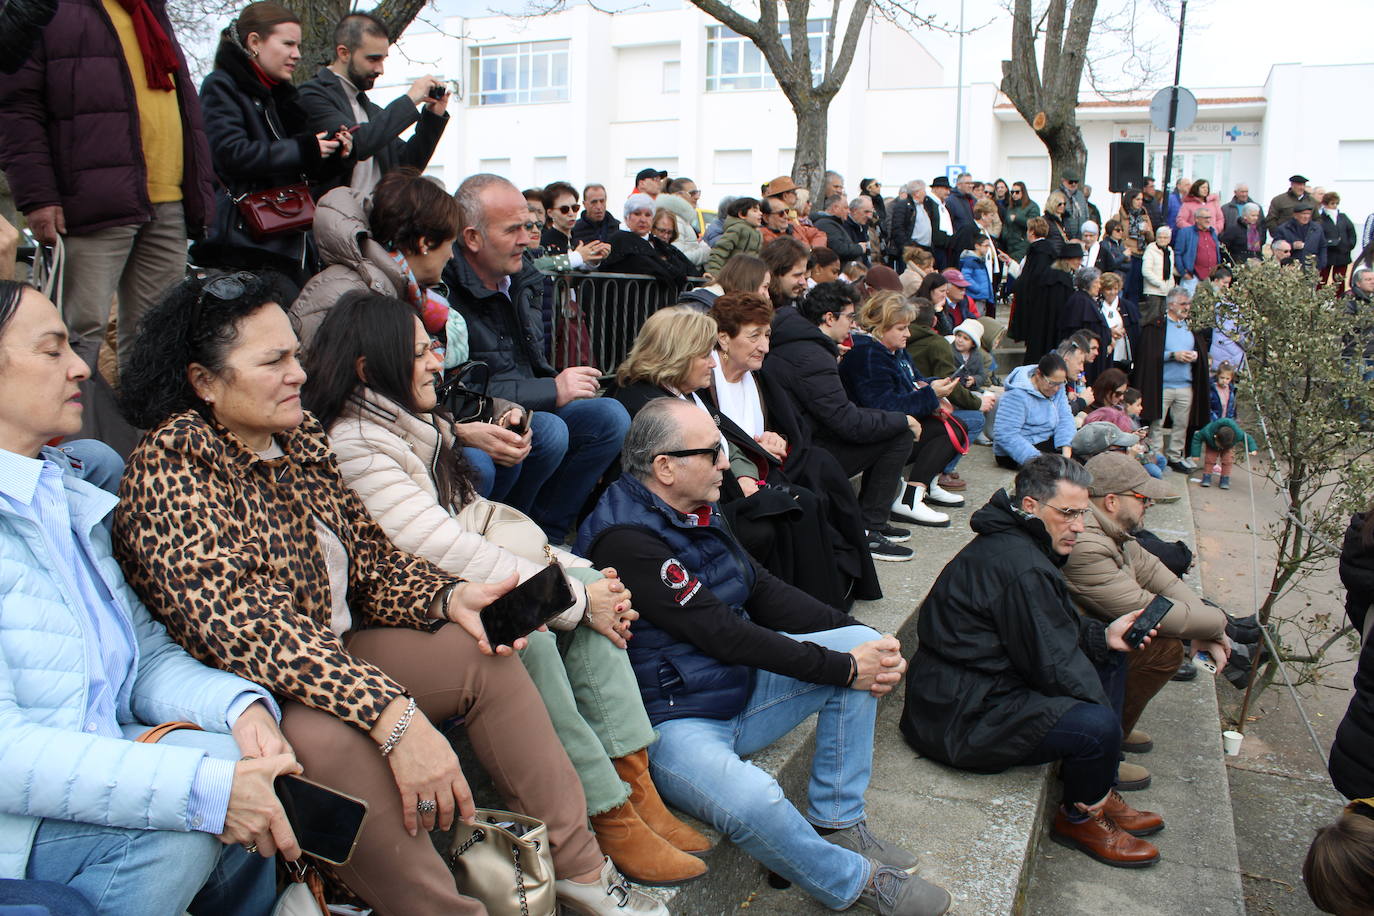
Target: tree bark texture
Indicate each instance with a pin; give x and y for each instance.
(319, 17)
(1045, 93)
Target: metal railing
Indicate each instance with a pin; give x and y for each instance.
(596, 316)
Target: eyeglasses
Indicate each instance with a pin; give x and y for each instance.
(1146, 501)
(845, 316)
(1016, 192)
(565, 209)
(1120, 391)
(694, 193)
(533, 226)
(714, 452)
(1070, 514)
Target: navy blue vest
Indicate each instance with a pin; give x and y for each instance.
(676, 679)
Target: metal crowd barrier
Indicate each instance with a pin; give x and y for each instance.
(596, 316)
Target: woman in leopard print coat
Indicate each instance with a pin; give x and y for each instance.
(236, 530)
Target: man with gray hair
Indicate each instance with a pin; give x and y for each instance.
(859, 226)
(834, 223)
(498, 294)
(730, 658)
(1180, 358)
(1231, 211)
(912, 222)
(1007, 672)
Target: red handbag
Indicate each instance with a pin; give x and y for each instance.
(289, 208)
(957, 432)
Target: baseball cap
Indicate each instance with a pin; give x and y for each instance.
(1096, 438)
(650, 173)
(955, 276)
(1117, 472)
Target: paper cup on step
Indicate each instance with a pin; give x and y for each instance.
(1230, 742)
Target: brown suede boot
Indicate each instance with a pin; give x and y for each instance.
(634, 769)
(642, 855)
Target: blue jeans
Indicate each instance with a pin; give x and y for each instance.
(1087, 739)
(590, 433)
(547, 448)
(41, 898)
(696, 766)
(135, 872)
(974, 420)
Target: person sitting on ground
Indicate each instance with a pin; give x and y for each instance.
(1109, 575)
(130, 828)
(1133, 403)
(1339, 868)
(237, 531)
(338, 95)
(489, 286)
(822, 267)
(1007, 672)
(370, 383)
(730, 658)
(744, 273)
(1108, 390)
(933, 358)
(878, 374)
(782, 524)
(1033, 414)
(966, 350)
(1216, 444)
(803, 360)
(741, 234)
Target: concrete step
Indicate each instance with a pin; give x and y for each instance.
(1198, 871)
(975, 834)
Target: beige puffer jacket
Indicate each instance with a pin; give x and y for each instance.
(1110, 574)
(353, 259)
(385, 454)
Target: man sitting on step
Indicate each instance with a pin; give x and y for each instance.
(1109, 575)
(1007, 671)
(730, 659)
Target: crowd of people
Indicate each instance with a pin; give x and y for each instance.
(262, 487)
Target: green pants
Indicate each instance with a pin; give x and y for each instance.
(593, 699)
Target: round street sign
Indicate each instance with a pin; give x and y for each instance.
(1159, 109)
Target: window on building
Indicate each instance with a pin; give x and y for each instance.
(672, 76)
(520, 74)
(734, 166)
(733, 62)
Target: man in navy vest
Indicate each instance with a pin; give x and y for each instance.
(729, 659)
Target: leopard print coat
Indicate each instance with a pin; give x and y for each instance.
(220, 545)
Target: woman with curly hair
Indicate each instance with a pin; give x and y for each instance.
(237, 531)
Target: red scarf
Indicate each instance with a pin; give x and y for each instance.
(159, 56)
(262, 76)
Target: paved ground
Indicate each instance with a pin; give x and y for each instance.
(1280, 792)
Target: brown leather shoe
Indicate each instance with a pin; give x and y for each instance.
(642, 855)
(634, 769)
(1136, 823)
(952, 482)
(1101, 838)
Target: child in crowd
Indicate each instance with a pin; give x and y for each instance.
(853, 272)
(1133, 403)
(1339, 869)
(973, 265)
(1223, 393)
(1217, 441)
(968, 354)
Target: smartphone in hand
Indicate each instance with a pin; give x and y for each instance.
(527, 607)
(326, 823)
(1147, 621)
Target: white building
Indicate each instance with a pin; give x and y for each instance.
(586, 96)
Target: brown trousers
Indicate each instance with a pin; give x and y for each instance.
(510, 732)
(1147, 671)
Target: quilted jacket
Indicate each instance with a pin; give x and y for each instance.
(49, 766)
(385, 454)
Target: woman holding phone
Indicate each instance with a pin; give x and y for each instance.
(238, 533)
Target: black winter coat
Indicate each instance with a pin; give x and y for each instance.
(587, 231)
(1352, 753)
(838, 238)
(1340, 238)
(260, 138)
(1357, 573)
(1081, 312)
(505, 333)
(802, 361)
(1003, 654)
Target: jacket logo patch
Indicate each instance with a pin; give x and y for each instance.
(674, 574)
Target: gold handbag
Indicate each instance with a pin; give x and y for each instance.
(508, 528)
(504, 861)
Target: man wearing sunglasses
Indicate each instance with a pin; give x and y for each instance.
(730, 658)
(1008, 672)
(1109, 574)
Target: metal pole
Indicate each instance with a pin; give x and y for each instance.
(1173, 106)
(959, 94)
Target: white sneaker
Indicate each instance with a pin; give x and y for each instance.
(939, 496)
(911, 507)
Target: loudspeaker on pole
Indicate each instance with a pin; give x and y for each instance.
(1126, 165)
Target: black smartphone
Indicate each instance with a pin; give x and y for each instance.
(1147, 621)
(326, 822)
(438, 92)
(527, 607)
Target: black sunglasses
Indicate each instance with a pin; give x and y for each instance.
(565, 209)
(224, 288)
(714, 452)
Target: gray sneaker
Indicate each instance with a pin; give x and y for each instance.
(892, 892)
(862, 840)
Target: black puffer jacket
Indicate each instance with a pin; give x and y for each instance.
(1357, 572)
(1352, 753)
(505, 333)
(802, 361)
(1003, 654)
(260, 138)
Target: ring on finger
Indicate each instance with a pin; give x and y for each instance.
(426, 806)
(250, 848)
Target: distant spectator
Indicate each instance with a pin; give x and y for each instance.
(681, 201)
(1094, 214)
(919, 263)
(636, 250)
(1112, 257)
(743, 273)
(832, 223)
(649, 181)
(338, 95)
(559, 235)
(1340, 241)
(595, 224)
(913, 221)
(1305, 236)
(1019, 212)
(823, 266)
(1175, 202)
(1197, 250)
(1200, 197)
(495, 296)
(1282, 206)
(1081, 312)
(717, 226)
(740, 236)
(1244, 237)
(261, 138)
(1122, 318)
(1033, 414)
(960, 203)
(863, 227)
(1181, 362)
(1075, 211)
(1232, 209)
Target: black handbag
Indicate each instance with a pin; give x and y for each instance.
(464, 393)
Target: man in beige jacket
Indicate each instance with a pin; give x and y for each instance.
(1110, 574)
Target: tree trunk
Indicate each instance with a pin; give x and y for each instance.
(318, 19)
(808, 164)
(1066, 149)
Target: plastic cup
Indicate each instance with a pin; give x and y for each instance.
(1230, 742)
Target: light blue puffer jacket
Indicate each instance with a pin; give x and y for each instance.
(1025, 417)
(49, 767)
